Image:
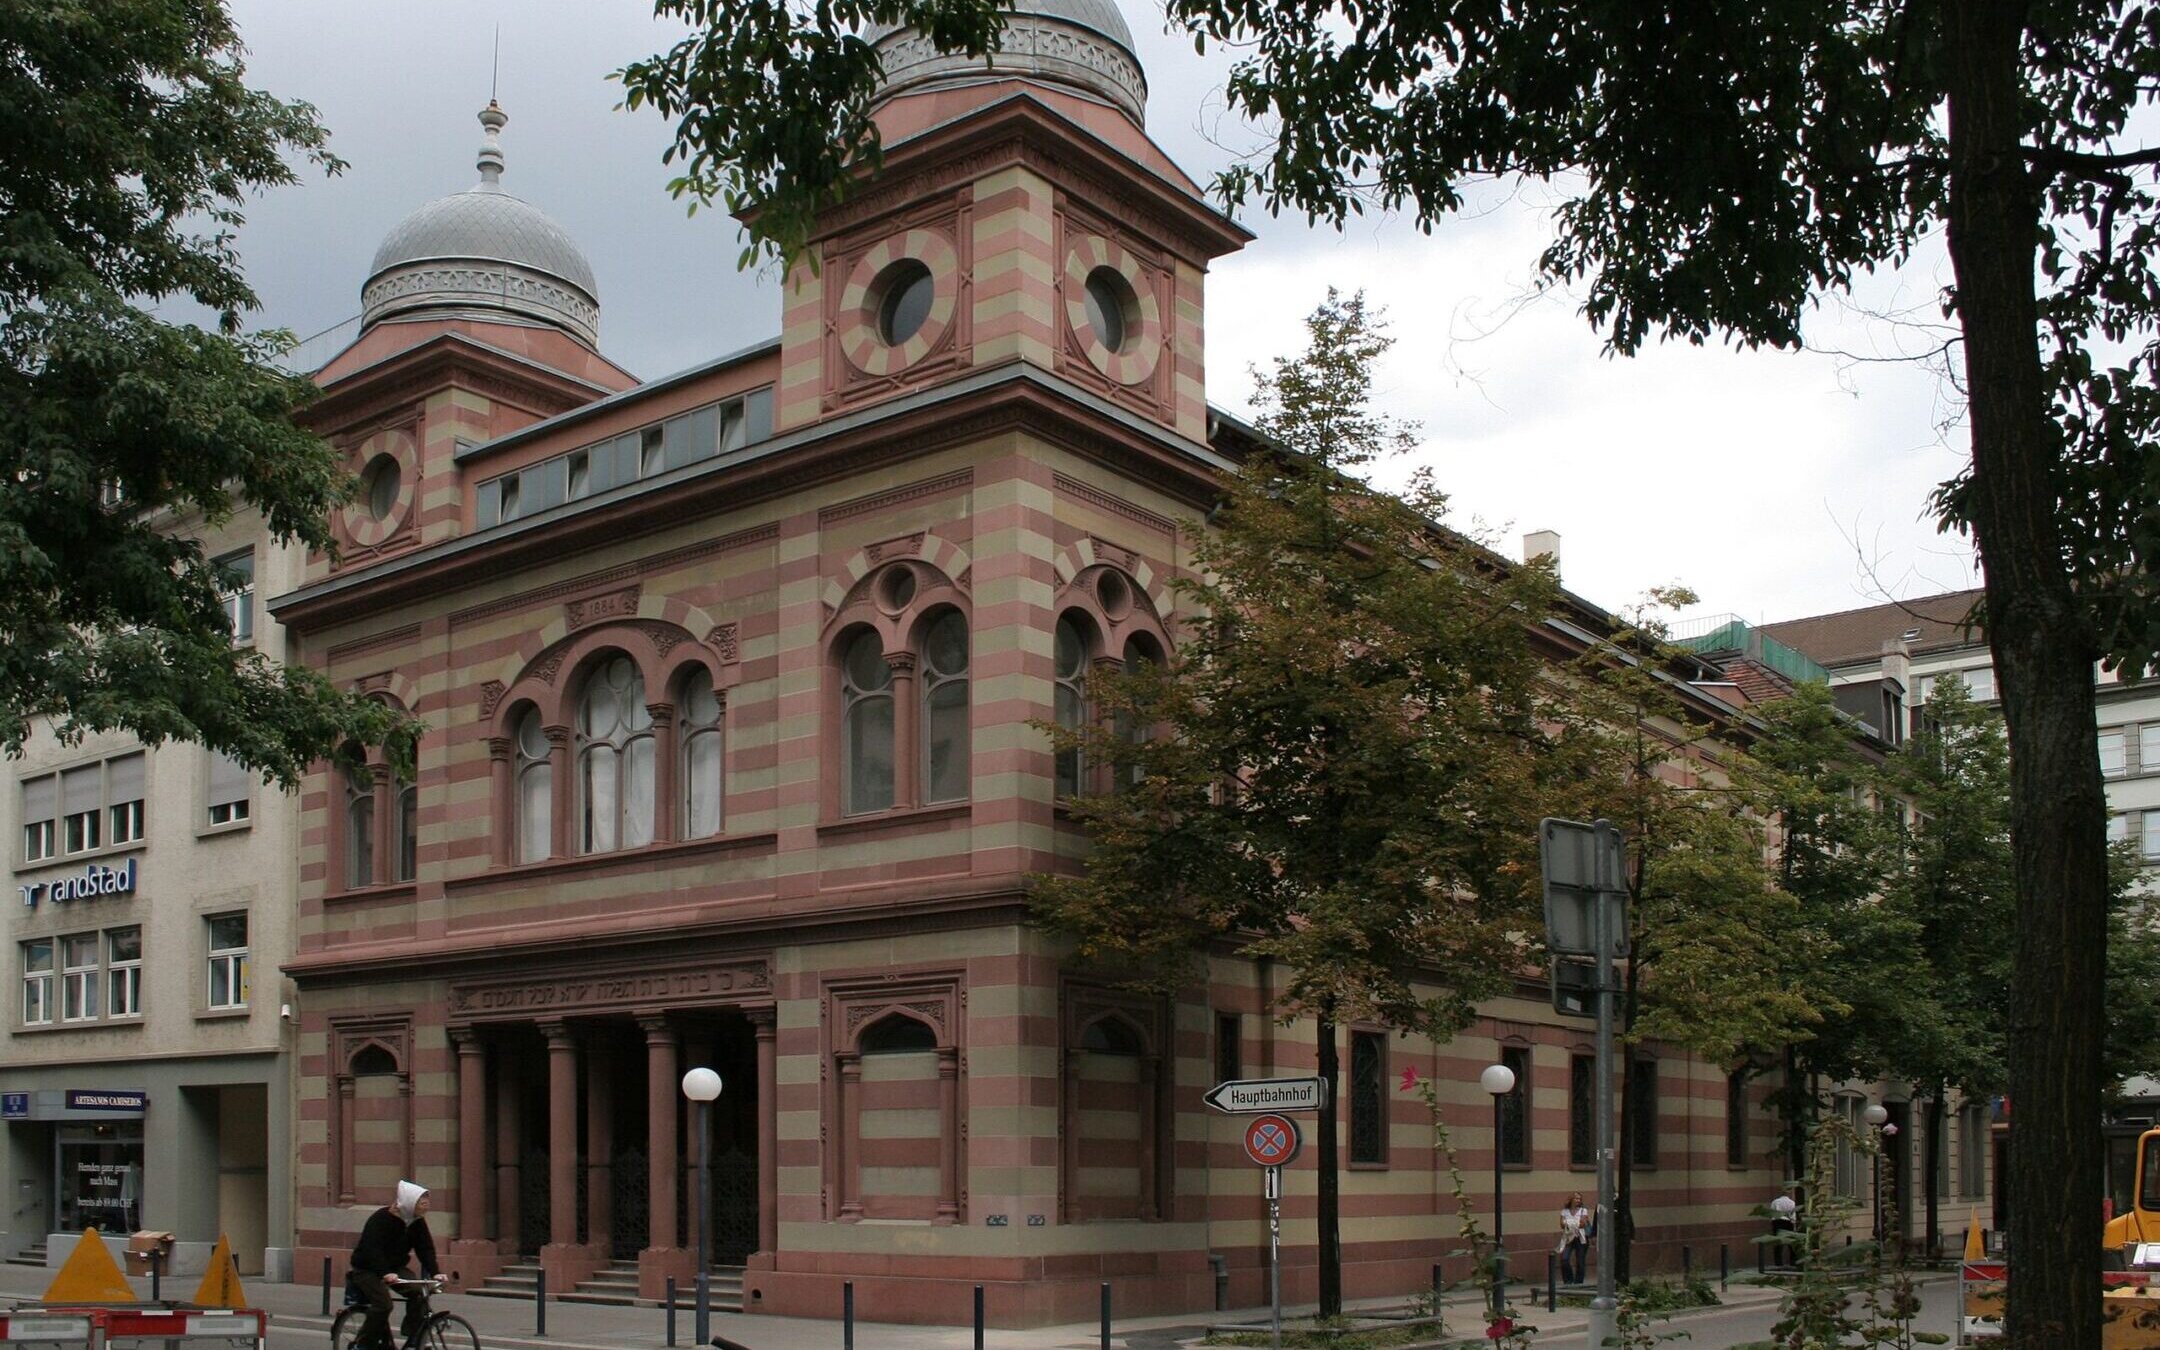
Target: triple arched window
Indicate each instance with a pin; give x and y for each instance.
(378, 839)
(614, 759)
(905, 716)
(1074, 650)
(534, 776)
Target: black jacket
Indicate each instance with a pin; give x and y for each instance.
(388, 1242)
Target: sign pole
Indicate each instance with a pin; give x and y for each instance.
(1601, 1328)
(1274, 1251)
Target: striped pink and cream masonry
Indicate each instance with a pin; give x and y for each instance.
(1137, 356)
(861, 340)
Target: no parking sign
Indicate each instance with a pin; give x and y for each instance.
(1272, 1140)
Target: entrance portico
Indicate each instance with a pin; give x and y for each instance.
(610, 1181)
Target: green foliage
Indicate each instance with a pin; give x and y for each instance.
(1344, 777)
(128, 143)
(1505, 1329)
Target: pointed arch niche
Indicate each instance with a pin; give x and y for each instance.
(895, 1068)
(1112, 1115)
(371, 1107)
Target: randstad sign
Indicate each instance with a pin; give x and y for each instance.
(94, 882)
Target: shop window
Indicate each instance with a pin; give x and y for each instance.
(535, 790)
(359, 827)
(228, 961)
(236, 582)
(227, 798)
(1736, 1118)
(946, 761)
(1070, 662)
(866, 723)
(1515, 1109)
(1582, 1111)
(615, 759)
(1368, 1098)
(1643, 1105)
(704, 775)
(123, 971)
(79, 977)
(37, 965)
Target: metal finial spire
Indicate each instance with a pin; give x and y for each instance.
(495, 68)
(492, 121)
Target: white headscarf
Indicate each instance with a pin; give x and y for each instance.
(408, 1199)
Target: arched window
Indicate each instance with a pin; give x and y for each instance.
(408, 832)
(1141, 652)
(946, 763)
(615, 759)
(535, 790)
(1111, 1036)
(704, 777)
(1070, 656)
(866, 741)
(359, 827)
(896, 1034)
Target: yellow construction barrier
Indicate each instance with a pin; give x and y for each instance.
(220, 1287)
(89, 1275)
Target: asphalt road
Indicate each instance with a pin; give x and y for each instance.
(1723, 1328)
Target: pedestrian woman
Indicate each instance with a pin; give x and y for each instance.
(1575, 1230)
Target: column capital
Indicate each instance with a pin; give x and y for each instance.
(556, 735)
(558, 1033)
(661, 713)
(1108, 665)
(764, 1022)
(466, 1039)
(901, 664)
(658, 1030)
(499, 747)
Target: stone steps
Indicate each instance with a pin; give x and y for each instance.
(29, 1256)
(614, 1285)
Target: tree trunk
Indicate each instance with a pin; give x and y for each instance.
(1624, 1185)
(1934, 1127)
(1330, 1192)
(2043, 657)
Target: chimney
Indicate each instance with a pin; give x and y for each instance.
(1542, 544)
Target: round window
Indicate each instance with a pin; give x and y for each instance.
(379, 484)
(904, 292)
(897, 587)
(1111, 307)
(1111, 593)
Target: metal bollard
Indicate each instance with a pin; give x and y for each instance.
(1106, 1315)
(540, 1302)
(157, 1266)
(326, 1286)
(1724, 1266)
(847, 1315)
(1762, 1250)
(1687, 1262)
(671, 1312)
(1552, 1282)
(1439, 1287)
(978, 1318)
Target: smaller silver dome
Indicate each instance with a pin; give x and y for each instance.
(1083, 45)
(484, 250)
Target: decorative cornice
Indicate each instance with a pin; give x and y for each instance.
(1094, 496)
(881, 501)
(501, 286)
(637, 569)
(1033, 46)
(615, 604)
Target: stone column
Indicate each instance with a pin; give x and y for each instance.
(385, 838)
(667, 774)
(503, 809)
(564, 1260)
(948, 1072)
(764, 1024)
(1098, 777)
(564, 833)
(344, 1133)
(847, 1135)
(663, 1255)
(1150, 1145)
(599, 1155)
(509, 1157)
(473, 1252)
(907, 717)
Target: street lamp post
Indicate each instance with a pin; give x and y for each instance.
(1499, 1081)
(1875, 1115)
(703, 1087)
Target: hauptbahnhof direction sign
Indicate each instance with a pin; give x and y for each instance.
(1253, 1096)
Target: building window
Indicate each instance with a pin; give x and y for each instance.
(2118, 829)
(236, 581)
(1643, 1104)
(2149, 749)
(704, 776)
(1141, 654)
(1979, 683)
(359, 827)
(1229, 1062)
(228, 794)
(2151, 845)
(1070, 655)
(229, 961)
(946, 761)
(1848, 1109)
(79, 977)
(615, 759)
(1736, 1118)
(866, 720)
(2114, 752)
(1582, 1111)
(535, 789)
(37, 1001)
(1515, 1108)
(1368, 1097)
(80, 808)
(40, 816)
(124, 800)
(123, 971)
(408, 832)
(1972, 1150)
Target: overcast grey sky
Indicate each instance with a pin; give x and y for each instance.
(1775, 484)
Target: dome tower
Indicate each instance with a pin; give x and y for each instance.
(484, 254)
(1077, 46)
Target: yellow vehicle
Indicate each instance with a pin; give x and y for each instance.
(2130, 1259)
(2141, 1222)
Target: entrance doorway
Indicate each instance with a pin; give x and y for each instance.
(98, 1177)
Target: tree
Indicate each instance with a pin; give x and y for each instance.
(128, 143)
(1723, 167)
(1344, 777)
(1719, 962)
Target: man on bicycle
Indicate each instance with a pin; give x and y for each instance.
(394, 1235)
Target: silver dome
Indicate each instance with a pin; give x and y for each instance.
(1080, 44)
(484, 250)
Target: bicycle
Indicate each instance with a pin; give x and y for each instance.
(440, 1330)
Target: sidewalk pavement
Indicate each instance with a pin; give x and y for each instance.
(508, 1324)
